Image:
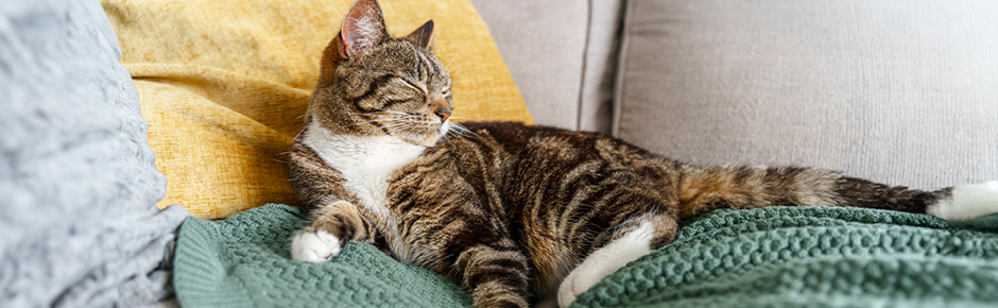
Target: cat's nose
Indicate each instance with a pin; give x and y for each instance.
(443, 113)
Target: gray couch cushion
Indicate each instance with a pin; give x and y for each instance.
(902, 92)
(77, 180)
(562, 55)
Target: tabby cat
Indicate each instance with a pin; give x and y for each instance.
(517, 215)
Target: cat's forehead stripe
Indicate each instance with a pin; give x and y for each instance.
(431, 70)
(419, 65)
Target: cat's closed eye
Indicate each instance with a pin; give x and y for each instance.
(414, 86)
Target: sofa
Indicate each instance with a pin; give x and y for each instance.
(899, 92)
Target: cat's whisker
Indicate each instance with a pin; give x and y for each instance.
(406, 131)
(393, 118)
(395, 125)
(384, 119)
(462, 130)
(374, 122)
(383, 111)
(455, 56)
(453, 71)
(387, 119)
(299, 133)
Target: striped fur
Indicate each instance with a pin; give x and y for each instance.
(510, 211)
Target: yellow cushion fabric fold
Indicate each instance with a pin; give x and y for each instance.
(223, 85)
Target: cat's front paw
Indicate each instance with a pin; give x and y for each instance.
(578, 281)
(318, 246)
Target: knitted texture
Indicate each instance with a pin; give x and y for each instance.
(244, 261)
(812, 257)
(773, 257)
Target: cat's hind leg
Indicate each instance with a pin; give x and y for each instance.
(492, 268)
(635, 238)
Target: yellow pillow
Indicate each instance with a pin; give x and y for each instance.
(223, 85)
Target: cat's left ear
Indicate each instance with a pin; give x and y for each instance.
(363, 28)
(423, 36)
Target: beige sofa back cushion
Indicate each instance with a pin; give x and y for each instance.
(561, 54)
(902, 92)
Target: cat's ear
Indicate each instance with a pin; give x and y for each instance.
(423, 36)
(363, 28)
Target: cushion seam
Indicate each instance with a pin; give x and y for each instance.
(618, 89)
(585, 61)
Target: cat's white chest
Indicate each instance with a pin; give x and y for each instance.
(366, 163)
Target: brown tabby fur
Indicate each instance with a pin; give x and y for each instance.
(509, 212)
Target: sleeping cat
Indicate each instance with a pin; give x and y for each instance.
(515, 214)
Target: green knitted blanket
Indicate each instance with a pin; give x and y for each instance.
(773, 257)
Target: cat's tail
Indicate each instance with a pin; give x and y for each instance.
(702, 189)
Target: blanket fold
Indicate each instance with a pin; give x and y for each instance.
(773, 257)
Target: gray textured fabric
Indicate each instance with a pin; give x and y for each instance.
(77, 180)
(902, 92)
(561, 55)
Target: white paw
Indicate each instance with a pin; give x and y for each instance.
(314, 246)
(579, 280)
(967, 202)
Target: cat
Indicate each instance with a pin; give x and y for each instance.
(515, 214)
